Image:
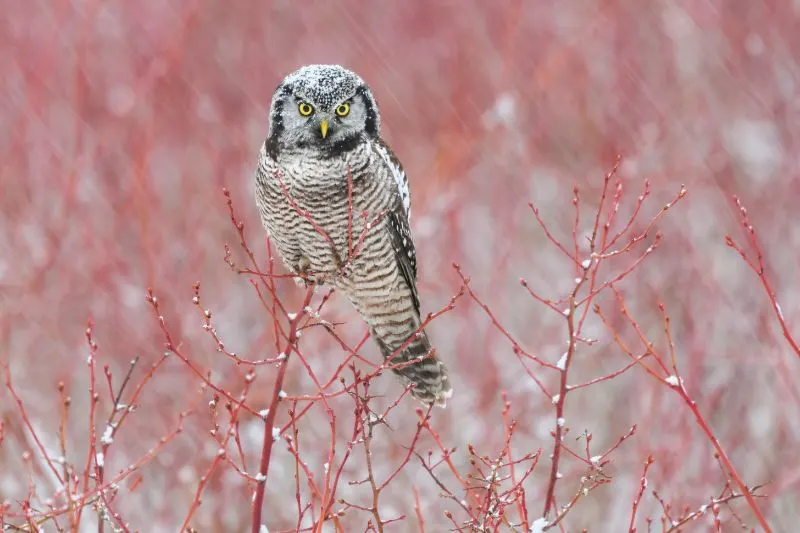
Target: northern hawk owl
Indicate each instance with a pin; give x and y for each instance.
(334, 200)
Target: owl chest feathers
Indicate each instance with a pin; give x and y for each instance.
(323, 212)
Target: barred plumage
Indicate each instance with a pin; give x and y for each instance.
(335, 202)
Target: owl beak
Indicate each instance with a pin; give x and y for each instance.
(323, 127)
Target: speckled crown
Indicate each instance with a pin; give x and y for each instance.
(324, 85)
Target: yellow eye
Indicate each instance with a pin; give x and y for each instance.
(305, 109)
(343, 110)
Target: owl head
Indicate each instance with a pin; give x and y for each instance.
(324, 107)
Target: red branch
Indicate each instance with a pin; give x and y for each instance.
(269, 421)
(759, 269)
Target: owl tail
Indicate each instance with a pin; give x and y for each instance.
(417, 364)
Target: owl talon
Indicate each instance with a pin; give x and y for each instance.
(305, 278)
(303, 264)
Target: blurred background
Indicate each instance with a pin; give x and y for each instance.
(122, 122)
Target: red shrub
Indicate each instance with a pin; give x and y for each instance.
(162, 372)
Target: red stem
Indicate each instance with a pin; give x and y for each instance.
(269, 423)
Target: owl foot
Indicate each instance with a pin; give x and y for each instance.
(305, 277)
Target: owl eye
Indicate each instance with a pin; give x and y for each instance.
(343, 110)
(305, 109)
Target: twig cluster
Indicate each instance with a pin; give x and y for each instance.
(340, 476)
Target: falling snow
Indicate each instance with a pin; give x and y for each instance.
(474, 165)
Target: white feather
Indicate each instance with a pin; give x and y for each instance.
(399, 176)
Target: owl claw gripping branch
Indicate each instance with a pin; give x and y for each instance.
(324, 160)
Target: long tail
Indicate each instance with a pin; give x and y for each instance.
(387, 304)
(417, 364)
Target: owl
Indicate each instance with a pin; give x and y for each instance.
(335, 202)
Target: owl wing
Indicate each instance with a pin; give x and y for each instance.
(398, 221)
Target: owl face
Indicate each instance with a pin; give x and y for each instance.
(326, 107)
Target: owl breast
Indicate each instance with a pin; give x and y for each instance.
(325, 213)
